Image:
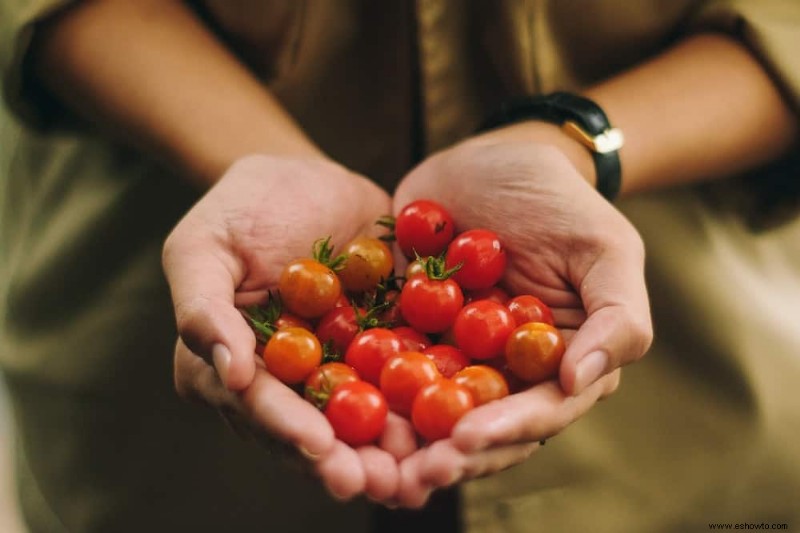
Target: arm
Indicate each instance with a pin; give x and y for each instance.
(705, 109)
(152, 70)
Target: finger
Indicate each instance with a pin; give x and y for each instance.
(399, 438)
(528, 416)
(282, 413)
(617, 330)
(202, 280)
(196, 380)
(445, 464)
(342, 472)
(381, 472)
(413, 492)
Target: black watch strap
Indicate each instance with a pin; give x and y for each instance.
(581, 119)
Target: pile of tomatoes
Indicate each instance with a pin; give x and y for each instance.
(357, 341)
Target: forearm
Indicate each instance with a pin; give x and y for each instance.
(703, 110)
(152, 73)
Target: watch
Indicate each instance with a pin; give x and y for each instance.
(579, 118)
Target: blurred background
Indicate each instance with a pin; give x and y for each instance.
(10, 521)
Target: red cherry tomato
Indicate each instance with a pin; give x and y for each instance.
(338, 327)
(292, 354)
(484, 383)
(413, 340)
(534, 351)
(526, 308)
(482, 258)
(495, 294)
(424, 227)
(430, 305)
(369, 351)
(448, 359)
(438, 407)
(357, 413)
(368, 262)
(324, 379)
(308, 288)
(515, 384)
(481, 329)
(392, 315)
(402, 378)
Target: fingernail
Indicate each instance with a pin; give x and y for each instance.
(589, 369)
(222, 361)
(313, 457)
(342, 497)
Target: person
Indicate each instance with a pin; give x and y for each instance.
(251, 127)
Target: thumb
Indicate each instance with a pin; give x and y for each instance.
(617, 330)
(203, 281)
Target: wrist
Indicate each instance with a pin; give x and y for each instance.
(580, 119)
(545, 133)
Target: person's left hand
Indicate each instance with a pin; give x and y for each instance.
(568, 246)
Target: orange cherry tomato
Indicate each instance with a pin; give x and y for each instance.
(368, 262)
(308, 288)
(484, 383)
(438, 406)
(292, 354)
(534, 351)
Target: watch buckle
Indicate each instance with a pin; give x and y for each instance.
(608, 141)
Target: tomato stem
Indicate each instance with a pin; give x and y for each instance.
(263, 318)
(435, 267)
(388, 222)
(322, 251)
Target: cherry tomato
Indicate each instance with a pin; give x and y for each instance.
(482, 258)
(429, 305)
(357, 412)
(413, 340)
(424, 227)
(338, 326)
(526, 308)
(392, 314)
(369, 351)
(288, 320)
(534, 351)
(308, 288)
(414, 268)
(402, 378)
(481, 329)
(495, 294)
(438, 406)
(484, 383)
(292, 354)
(515, 384)
(324, 379)
(368, 262)
(448, 359)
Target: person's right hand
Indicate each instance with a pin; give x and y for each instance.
(226, 253)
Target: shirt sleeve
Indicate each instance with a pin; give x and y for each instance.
(27, 101)
(771, 30)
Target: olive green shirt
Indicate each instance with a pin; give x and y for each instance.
(704, 429)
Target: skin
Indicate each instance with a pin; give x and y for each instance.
(216, 258)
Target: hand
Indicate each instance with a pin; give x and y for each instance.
(569, 247)
(226, 252)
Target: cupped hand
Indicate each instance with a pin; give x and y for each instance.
(568, 246)
(225, 254)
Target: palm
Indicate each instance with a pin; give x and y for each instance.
(540, 207)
